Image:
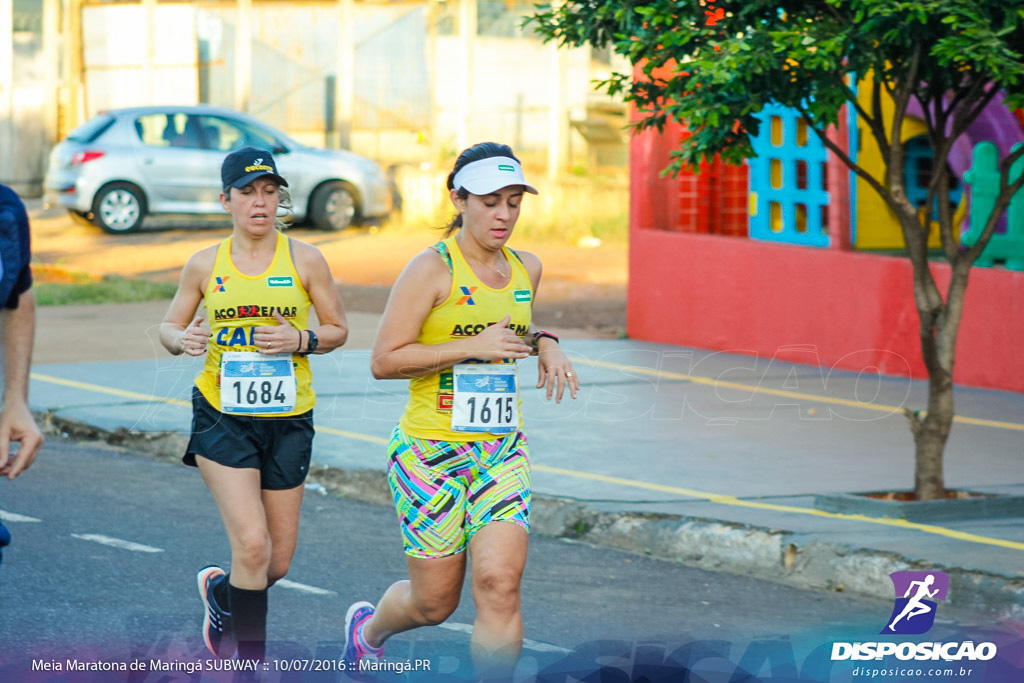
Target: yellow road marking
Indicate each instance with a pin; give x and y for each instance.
(691, 493)
(708, 381)
(352, 435)
(177, 402)
(107, 390)
(736, 502)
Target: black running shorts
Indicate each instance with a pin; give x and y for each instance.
(279, 447)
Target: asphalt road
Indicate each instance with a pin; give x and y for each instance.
(107, 544)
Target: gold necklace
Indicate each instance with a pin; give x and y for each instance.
(483, 263)
(494, 268)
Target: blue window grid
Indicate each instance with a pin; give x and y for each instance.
(813, 196)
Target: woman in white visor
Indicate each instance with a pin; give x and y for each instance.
(457, 321)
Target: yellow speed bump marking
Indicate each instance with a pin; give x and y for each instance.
(711, 382)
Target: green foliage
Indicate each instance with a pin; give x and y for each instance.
(805, 54)
(110, 289)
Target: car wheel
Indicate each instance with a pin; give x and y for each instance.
(119, 208)
(334, 206)
(80, 217)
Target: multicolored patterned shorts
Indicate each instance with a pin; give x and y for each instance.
(446, 491)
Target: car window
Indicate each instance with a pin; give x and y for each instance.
(91, 129)
(225, 135)
(172, 129)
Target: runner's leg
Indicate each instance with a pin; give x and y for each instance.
(497, 555)
(238, 496)
(282, 511)
(427, 598)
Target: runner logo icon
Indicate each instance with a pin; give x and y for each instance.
(917, 594)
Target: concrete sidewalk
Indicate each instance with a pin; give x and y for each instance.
(711, 458)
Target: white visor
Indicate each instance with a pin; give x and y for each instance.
(490, 175)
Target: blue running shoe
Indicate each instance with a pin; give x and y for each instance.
(216, 622)
(5, 539)
(356, 648)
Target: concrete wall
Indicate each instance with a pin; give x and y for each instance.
(412, 95)
(24, 141)
(848, 310)
(124, 68)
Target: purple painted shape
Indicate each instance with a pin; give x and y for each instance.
(996, 124)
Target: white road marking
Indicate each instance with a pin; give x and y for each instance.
(15, 517)
(285, 583)
(118, 543)
(527, 643)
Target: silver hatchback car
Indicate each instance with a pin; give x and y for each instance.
(124, 164)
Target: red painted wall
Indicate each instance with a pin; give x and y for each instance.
(853, 310)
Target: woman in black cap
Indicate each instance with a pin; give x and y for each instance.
(252, 426)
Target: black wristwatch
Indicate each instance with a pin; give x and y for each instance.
(537, 336)
(313, 343)
(544, 333)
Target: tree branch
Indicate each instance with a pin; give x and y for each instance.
(962, 121)
(901, 100)
(875, 120)
(1006, 192)
(830, 144)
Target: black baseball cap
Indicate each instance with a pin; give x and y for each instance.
(245, 165)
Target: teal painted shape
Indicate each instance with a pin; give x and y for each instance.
(983, 177)
(1013, 240)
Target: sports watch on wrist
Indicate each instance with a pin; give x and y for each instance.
(313, 343)
(537, 336)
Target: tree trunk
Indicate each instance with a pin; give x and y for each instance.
(939, 326)
(930, 435)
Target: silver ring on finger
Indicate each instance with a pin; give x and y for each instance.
(569, 374)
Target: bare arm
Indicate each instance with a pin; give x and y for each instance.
(323, 293)
(16, 421)
(397, 354)
(180, 330)
(553, 366)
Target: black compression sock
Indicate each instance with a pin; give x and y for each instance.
(249, 616)
(221, 594)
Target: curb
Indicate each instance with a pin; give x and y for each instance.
(768, 554)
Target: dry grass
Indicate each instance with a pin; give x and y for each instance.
(54, 286)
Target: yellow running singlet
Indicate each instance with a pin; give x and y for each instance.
(470, 307)
(236, 304)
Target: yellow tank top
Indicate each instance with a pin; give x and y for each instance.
(470, 307)
(236, 304)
